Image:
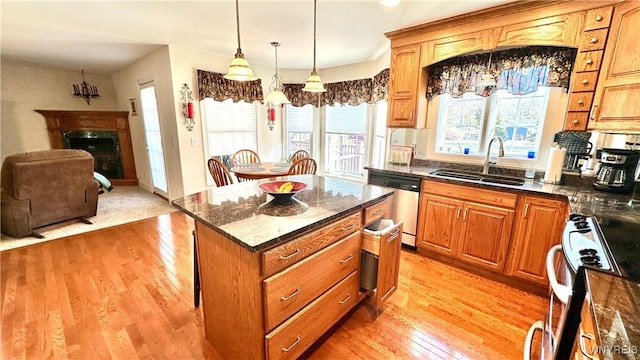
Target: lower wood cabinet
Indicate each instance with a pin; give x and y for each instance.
(504, 232)
(538, 227)
(471, 231)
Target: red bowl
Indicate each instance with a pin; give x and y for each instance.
(271, 188)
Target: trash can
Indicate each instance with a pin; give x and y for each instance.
(371, 251)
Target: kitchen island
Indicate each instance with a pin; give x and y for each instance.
(275, 276)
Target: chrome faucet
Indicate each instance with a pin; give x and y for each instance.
(485, 167)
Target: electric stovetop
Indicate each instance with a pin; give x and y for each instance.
(623, 237)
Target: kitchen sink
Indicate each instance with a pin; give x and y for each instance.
(476, 176)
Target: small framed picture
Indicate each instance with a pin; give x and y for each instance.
(134, 107)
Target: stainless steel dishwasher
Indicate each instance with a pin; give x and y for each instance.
(404, 202)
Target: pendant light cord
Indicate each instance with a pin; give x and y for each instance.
(314, 35)
(238, 27)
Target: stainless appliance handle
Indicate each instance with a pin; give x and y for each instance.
(562, 292)
(538, 325)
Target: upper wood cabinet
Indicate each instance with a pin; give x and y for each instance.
(403, 86)
(538, 226)
(550, 31)
(615, 105)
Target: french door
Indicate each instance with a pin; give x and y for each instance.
(153, 136)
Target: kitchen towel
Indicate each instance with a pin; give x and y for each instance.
(555, 162)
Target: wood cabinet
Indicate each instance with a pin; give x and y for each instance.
(275, 303)
(538, 226)
(386, 245)
(403, 86)
(615, 105)
(463, 222)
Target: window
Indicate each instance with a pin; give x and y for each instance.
(229, 126)
(380, 134)
(345, 139)
(470, 121)
(299, 129)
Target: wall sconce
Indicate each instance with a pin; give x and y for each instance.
(271, 116)
(187, 107)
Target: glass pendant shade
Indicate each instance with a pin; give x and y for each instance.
(239, 70)
(277, 97)
(314, 83)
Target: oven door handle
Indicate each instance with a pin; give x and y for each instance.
(538, 325)
(562, 292)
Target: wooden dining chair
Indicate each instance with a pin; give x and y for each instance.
(300, 154)
(303, 166)
(244, 156)
(219, 172)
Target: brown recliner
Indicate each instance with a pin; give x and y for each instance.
(45, 187)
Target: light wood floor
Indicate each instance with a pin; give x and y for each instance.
(126, 293)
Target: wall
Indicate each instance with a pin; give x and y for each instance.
(26, 88)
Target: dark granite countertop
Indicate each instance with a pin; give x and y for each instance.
(248, 216)
(615, 306)
(620, 222)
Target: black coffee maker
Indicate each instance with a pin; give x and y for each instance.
(617, 170)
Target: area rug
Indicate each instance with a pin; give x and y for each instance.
(121, 205)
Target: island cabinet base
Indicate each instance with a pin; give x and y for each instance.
(250, 313)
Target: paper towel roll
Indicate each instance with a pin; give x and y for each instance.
(555, 163)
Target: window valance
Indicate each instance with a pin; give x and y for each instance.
(213, 85)
(519, 71)
(352, 92)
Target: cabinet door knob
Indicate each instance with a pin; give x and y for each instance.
(589, 61)
(594, 40)
(575, 121)
(585, 82)
(599, 18)
(580, 102)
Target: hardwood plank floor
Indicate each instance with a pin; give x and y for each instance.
(127, 292)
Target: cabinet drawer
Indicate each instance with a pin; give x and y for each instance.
(593, 40)
(375, 212)
(580, 101)
(585, 81)
(588, 61)
(292, 289)
(294, 336)
(598, 18)
(287, 254)
(576, 120)
(490, 197)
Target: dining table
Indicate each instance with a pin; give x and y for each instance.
(261, 170)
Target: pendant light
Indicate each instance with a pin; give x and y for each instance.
(239, 69)
(276, 96)
(487, 79)
(314, 83)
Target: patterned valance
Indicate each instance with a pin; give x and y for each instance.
(213, 85)
(352, 92)
(519, 71)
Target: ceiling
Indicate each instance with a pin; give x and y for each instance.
(103, 37)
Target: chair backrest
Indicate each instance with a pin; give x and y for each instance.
(219, 172)
(300, 154)
(303, 166)
(244, 156)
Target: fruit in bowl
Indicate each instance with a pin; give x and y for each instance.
(282, 190)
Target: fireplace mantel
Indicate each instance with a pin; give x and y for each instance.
(61, 121)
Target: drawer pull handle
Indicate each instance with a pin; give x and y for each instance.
(285, 298)
(585, 81)
(348, 227)
(290, 255)
(378, 212)
(575, 121)
(589, 61)
(458, 214)
(583, 346)
(292, 345)
(464, 214)
(392, 237)
(594, 40)
(345, 300)
(599, 18)
(347, 259)
(580, 102)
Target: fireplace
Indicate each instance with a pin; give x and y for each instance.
(104, 134)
